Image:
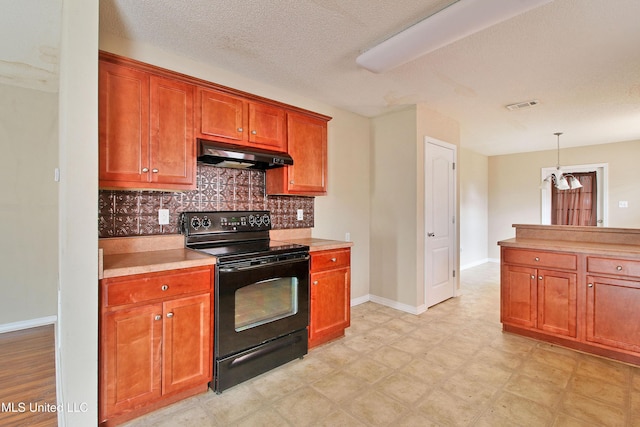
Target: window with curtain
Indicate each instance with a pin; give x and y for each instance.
(576, 207)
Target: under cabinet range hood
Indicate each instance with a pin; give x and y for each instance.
(235, 156)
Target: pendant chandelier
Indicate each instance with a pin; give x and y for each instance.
(558, 179)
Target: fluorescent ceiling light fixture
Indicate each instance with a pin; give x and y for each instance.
(457, 21)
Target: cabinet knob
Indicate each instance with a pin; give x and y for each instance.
(533, 277)
(240, 129)
(334, 259)
(291, 182)
(590, 285)
(539, 277)
(158, 317)
(619, 268)
(164, 287)
(155, 170)
(170, 315)
(145, 170)
(537, 259)
(315, 282)
(254, 132)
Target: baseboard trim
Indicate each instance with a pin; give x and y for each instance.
(360, 300)
(26, 324)
(398, 305)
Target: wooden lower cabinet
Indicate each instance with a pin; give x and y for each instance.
(539, 299)
(156, 350)
(612, 312)
(330, 295)
(585, 301)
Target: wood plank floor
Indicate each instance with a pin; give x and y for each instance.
(28, 378)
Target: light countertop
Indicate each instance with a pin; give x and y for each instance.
(123, 256)
(316, 244)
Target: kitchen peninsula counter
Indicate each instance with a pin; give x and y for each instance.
(573, 286)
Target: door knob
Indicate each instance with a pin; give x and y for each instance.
(431, 234)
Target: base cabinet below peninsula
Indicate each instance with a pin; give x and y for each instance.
(574, 286)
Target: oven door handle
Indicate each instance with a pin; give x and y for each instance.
(231, 269)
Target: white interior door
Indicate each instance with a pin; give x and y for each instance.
(440, 221)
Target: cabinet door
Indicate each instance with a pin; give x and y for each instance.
(267, 127)
(130, 358)
(172, 145)
(519, 296)
(307, 144)
(557, 306)
(123, 116)
(187, 343)
(330, 302)
(221, 117)
(612, 312)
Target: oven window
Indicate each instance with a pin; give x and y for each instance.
(266, 301)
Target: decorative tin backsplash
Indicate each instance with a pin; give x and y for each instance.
(135, 213)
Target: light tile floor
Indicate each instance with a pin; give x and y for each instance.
(450, 366)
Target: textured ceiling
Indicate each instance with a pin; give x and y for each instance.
(579, 58)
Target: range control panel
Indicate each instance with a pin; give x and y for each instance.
(224, 221)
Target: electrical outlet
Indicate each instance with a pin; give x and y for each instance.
(623, 204)
(163, 216)
(300, 214)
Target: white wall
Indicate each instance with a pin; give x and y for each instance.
(78, 316)
(29, 204)
(514, 186)
(474, 196)
(397, 202)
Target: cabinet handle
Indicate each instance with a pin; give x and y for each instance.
(164, 287)
(155, 170)
(334, 259)
(539, 277)
(537, 259)
(590, 285)
(145, 170)
(315, 282)
(158, 317)
(619, 268)
(240, 129)
(170, 315)
(254, 132)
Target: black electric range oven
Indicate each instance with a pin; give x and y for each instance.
(261, 301)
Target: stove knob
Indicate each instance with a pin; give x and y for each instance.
(265, 219)
(252, 220)
(206, 222)
(195, 222)
(258, 220)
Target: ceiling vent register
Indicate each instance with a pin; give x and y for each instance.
(521, 105)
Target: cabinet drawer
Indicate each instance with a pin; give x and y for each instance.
(623, 267)
(326, 260)
(146, 287)
(540, 259)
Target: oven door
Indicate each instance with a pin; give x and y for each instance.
(260, 300)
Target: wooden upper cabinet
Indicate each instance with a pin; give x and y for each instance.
(145, 130)
(227, 118)
(220, 116)
(123, 117)
(172, 144)
(307, 145)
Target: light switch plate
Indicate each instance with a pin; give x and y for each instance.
(300, 214)
(163, 216)
(623, 203)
